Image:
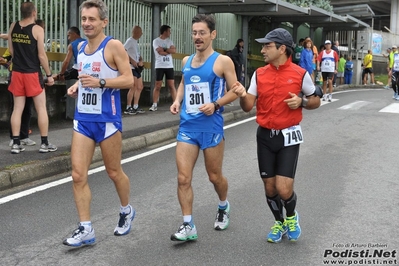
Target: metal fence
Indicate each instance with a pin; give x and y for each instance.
(123, 16)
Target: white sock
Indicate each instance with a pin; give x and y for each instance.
(155, 104)
(135, 106)
(223, 203)
(126, 209)
(128, 106)
(187, 218)
(86, 225)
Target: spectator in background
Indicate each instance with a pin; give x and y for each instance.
(334, 47)
(27, 80)
(368, 67)
(163, 50)
(327, 63)
(136, 63)
(388, 68)
(74, 39)
(341, 69)
(348, 70)
(6, 61)
(306, 60)
(297, 51)
(315, 54)
(395, 75)
(238, 59)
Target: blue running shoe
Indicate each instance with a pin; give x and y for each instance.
(294, 230)
(277, 232)
(80, 237)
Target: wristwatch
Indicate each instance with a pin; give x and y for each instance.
(217, 106)
(304, 101)
(102, 83)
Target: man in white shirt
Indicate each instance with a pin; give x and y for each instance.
(163, 50)
(136, 63)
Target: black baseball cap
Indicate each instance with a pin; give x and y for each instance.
(278, 35)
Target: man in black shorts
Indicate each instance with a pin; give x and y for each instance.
(279, 134)
(327, 62)
(163, 50)
(136, 63)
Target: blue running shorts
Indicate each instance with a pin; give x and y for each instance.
(97, 131)
(201, 139)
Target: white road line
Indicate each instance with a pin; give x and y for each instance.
(354, 106)
(392, 108)
(99, 169)
(327, 102)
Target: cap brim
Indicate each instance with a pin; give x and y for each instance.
(263, 40)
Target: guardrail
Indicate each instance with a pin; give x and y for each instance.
(59, 57)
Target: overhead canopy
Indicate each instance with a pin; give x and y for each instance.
(377, 12)
(276, 10)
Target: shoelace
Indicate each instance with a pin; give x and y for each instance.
(221, 214)
(291, 224)
(184, 227)
(78, 231)
(276, 229)
(122, 219)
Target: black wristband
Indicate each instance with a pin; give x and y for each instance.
(217, 106)
(304, 102)
(49, 75)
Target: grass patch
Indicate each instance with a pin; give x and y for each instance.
(382, 78)
(17, 165)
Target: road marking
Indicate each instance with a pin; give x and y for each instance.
(101, 168)
(327, 102)
(354, 106)
(392, 108)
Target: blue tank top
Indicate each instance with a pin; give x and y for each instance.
(201, 86)
(74, 45)
(96, 104)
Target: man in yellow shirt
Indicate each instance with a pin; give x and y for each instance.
(394, 71)
(368, 67)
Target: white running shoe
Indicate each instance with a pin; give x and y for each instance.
(324, 97)
(184, 233)
(80, 237)
(330, 97)
(125, 223)
(153, 108)
(47, 148)
(222, 218)
(28, 142)
(15, 149)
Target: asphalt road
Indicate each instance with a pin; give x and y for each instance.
(346, 184)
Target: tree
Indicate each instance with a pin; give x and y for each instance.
(323, 4)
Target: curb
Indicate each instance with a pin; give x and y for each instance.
(62, 164)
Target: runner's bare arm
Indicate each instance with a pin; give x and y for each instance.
(116, 56)
(174, 108)
(9, 42)
(38, 34)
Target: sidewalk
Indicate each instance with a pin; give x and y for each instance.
(139, 131)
